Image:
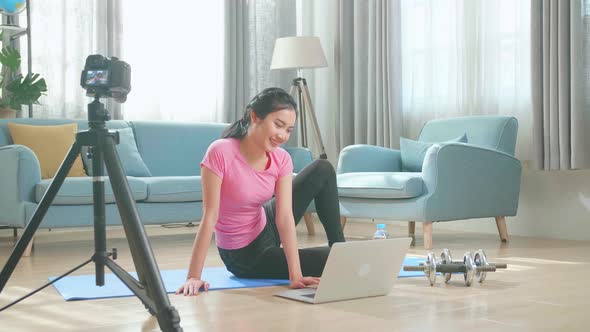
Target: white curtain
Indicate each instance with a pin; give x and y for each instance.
(64, 33)
(357, 98)
(176, 55)
(467, 57)
(561, 82)
(251, 28)
(269, 20)
(369, 71)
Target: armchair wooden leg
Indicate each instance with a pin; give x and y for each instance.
(309, 223)
(501, 223)
(29, 248)
(342, 222)
(412, 232)
(427, 231)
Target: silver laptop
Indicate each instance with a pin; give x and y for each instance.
(356, 269)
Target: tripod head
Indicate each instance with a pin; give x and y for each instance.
(97, 114)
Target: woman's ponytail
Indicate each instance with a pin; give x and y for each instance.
(238, 129)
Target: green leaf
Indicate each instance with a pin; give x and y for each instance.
(25, 90)
(10, 58)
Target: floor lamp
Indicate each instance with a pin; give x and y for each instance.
(301, 53)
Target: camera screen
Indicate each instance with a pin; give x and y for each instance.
(97, 77)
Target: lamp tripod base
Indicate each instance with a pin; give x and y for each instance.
(300, 93)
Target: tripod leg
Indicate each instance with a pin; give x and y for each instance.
(297, 95)
(100, 234)
(167, 315)
(293, 91)
(98, 200)
(44, 286)
(314, 121)
(135, 286)
(138, 262)
(39, 213)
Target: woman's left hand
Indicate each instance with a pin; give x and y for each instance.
(304, 282)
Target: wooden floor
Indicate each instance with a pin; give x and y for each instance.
(544, 288)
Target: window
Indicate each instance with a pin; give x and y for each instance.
(176, 58)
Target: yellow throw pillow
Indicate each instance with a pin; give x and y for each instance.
(51, 145)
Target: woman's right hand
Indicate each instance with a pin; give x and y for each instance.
(191, 287)
(303, 282)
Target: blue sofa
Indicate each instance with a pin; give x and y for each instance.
(172, 151)
(477, 179)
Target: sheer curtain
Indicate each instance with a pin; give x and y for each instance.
(176, 58)
(64, 33)
(466, 57)
(176, 54)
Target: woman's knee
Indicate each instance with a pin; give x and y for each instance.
(323, 167)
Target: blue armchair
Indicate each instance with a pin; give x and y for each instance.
(477, 179)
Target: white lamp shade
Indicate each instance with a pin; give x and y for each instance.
(298, 53)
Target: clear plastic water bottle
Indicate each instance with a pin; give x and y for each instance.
(381, 232)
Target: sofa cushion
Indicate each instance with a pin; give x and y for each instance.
(171, 148)
(173, 189)
(131, 161)
(380, 184)
(50, 144)
(78, 191)
(413, 152)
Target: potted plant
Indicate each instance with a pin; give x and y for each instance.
(16, 89)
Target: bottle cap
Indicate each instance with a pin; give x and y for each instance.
(380, 226)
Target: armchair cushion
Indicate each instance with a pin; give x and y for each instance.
(368, 158)
(380, 184)
(413, 152)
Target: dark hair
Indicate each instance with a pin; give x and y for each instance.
(267, 101)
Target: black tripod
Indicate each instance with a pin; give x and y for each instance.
(150, 288)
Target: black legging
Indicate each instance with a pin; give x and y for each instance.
(264, 258)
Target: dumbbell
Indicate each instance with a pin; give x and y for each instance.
(468, 267)
(479, 259)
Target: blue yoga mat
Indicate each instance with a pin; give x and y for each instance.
(83, 287)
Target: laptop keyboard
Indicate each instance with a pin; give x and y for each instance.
(311, 296)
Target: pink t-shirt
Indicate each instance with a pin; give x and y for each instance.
(243, 191)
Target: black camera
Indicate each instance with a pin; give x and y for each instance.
(106, 77)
